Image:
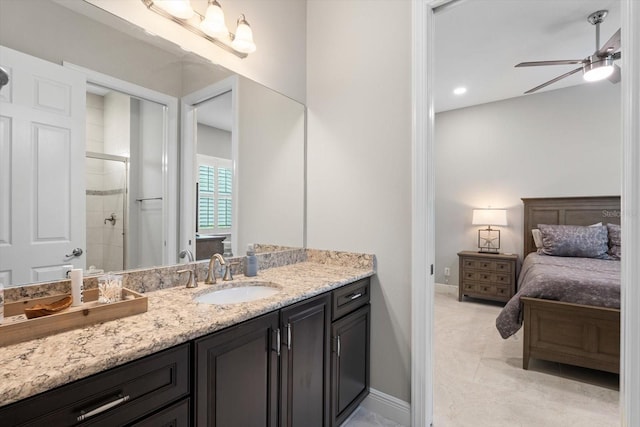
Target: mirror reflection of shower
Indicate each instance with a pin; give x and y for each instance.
(106, 199)
(124, 145)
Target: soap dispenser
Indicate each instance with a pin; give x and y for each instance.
(250, 262)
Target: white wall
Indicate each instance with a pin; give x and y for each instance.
(270, 168)
(54, 33)
(214, 142)
(565, 142)
(278, 29)
(359, 159)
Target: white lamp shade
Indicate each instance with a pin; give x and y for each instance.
(489, 217)
(243, 41)
(213, 23)
(179, 8)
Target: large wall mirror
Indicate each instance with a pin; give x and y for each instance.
(122, 175)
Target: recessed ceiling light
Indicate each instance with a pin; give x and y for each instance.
(460, 90)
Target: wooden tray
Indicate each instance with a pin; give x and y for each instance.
(17, 328)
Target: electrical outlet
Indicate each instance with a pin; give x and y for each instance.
(447, 271)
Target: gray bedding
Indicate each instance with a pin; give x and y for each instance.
(585, 281)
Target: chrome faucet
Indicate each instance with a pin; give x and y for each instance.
(192, 282)
(211, 275)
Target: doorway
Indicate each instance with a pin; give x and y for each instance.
(423, 197)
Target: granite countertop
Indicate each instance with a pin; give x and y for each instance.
(173, 318)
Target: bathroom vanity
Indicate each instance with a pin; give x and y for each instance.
(300, 357)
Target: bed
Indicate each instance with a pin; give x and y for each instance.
(567, 328)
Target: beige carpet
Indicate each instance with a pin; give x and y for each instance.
(479, 380)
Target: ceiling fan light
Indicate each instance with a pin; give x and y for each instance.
(243, 39)
(599, 70)
(213, 23)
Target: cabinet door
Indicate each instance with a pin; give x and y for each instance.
(305, 363)
(349, 363)
(236, 375)
(176, 415)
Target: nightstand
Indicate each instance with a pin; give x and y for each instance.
(487, 276)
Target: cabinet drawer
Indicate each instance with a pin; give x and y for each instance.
(503, 291)
(478, 264)
(114, 397)
(350, 297)
(486, 289)
(503, 266)
(469, 287)
(502, 279)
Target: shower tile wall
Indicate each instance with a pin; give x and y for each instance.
(106, 183)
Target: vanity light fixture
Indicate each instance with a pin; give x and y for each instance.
(460, 90)
(488, 238)
(210, 26)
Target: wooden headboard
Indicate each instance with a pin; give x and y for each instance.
(567, 210)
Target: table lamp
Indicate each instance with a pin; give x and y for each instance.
(488, 238)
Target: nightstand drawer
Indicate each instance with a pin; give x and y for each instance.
(503, 266)
(503, 291)
(487, 289)
(502, 279)
(469, 287)
(478, 264)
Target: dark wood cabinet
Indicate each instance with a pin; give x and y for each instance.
(236, 375)
(290, 367)
(304, 363)
(350, 367)
(350, 354)
(118, 396)
(176, 415)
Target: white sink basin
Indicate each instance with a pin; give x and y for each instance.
(244, 292)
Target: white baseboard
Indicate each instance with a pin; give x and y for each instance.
(388, 406)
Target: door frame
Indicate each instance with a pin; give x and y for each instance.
(423, 212)
(188, 160)
(169, 150)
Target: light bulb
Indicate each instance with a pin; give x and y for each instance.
(243, 40)
(213, 23)
(179, 8)
(600, 73)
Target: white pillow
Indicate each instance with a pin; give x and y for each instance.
(537, 238)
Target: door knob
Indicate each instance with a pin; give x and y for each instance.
(75, 253)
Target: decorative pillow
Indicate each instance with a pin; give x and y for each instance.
(537, 236)
(575, 241)
(615, 241)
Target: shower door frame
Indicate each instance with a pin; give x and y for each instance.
(125, 200)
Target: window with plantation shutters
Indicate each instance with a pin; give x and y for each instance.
(215, 180)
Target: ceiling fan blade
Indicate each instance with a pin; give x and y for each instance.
(559, 62)
(615, 77)
(554, 80)
(611, 45)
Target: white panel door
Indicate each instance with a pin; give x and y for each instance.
(42, 190)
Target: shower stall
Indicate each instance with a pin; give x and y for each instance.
(107, 211)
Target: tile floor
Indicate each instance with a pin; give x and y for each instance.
(479, 380)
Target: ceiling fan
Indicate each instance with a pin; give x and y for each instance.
(595, 67)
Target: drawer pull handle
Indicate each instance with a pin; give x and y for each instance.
(289, 336)
(100, 409)
(355, 296)
(338, 345)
